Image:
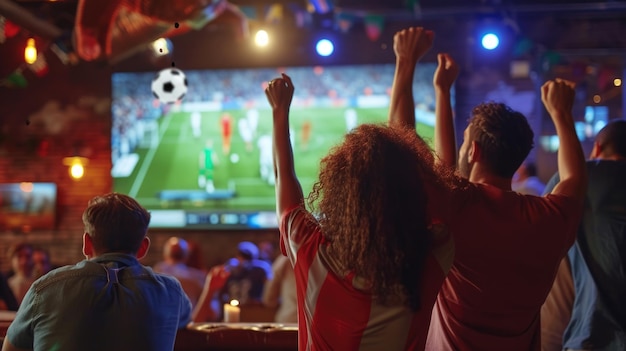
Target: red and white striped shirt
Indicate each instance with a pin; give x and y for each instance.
(335, 312)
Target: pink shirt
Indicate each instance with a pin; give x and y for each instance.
(335, 311)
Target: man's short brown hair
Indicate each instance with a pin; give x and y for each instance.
(504, 136)
(116, 223)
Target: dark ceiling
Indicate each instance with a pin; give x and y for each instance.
(61, 13)
(555, 24)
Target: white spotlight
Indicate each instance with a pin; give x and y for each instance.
(325, 47)
(261, 38)
(490, 41)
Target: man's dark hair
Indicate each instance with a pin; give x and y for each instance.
(504, 136)
(612, 139)
(248, 250)
(116, 223)
(177, 249)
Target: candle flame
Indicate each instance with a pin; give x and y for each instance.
(234, 303)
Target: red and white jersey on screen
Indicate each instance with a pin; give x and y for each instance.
(336, 312)
(226, 122)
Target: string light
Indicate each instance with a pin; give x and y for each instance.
(597, 99)
(160, 47)
(261, 38)
(30, 53)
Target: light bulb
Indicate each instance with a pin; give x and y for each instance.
(30, 53)
(77, 171)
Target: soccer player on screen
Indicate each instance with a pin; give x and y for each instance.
(306, 134)
(207, 161)
(252, 116)
(226, 128)
(351, 119)
(266, 159)
(245, 131)
(196, 124)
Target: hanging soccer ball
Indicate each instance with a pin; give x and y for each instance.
(169, 85)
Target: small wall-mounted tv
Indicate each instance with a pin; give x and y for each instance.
(27, 206)
(206, 162)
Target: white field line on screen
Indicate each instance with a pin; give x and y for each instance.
(183, 134)
(148, 160)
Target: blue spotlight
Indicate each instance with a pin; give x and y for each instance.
(325, 47)
(490, 41)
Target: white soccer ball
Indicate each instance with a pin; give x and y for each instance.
(169, 85)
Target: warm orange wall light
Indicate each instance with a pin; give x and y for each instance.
(77, 166)
(30, 53)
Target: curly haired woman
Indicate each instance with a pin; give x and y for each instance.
(370, 263)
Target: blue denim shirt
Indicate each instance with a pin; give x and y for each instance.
(110, 302)
(598, 320)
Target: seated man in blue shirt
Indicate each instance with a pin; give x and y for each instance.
(108, 301)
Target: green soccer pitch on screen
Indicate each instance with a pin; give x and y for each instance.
(206, 161)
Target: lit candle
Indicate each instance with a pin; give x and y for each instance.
(231, 312)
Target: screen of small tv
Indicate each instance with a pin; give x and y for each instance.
(206, 161)
(27, 206)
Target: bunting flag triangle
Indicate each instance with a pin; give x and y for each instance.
(302, 16)
(10, 29)
(16, 79)
(320, 6)
(344, 21)
(415, 6)
(249, 11)
(274, 14)
(374, 26)
(40, 66)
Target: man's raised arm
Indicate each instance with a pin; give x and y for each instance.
(445, 140)
(558, 98)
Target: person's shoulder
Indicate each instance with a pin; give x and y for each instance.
(163, 278)
(166, 285)
(602, 167)
(551, 205)
(161, 265)
(297, 211)
(299, 219)
(62, 274)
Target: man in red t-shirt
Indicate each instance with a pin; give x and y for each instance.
(508, 246)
